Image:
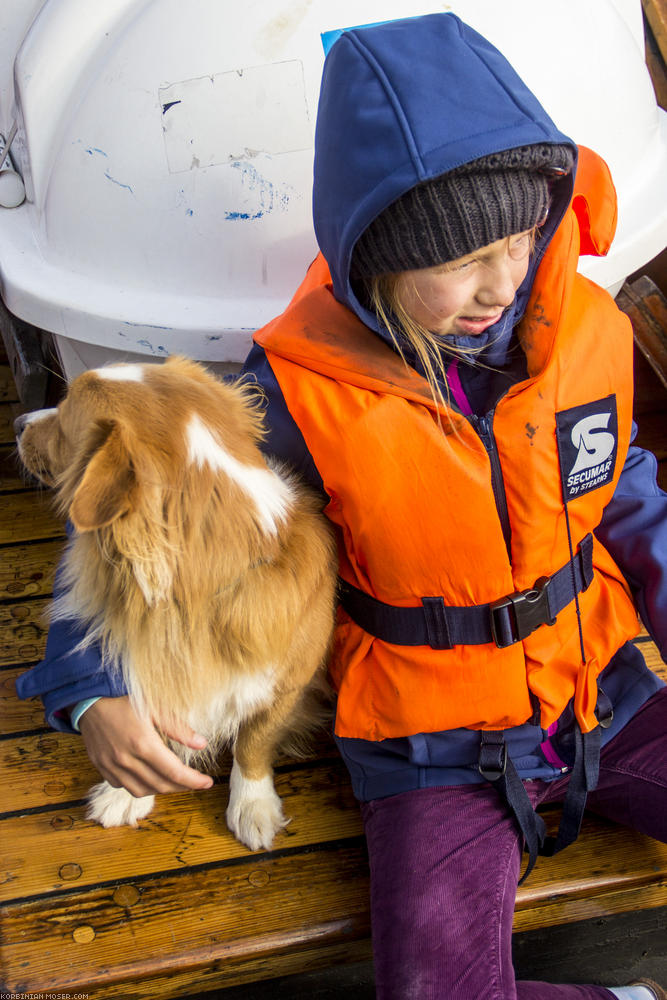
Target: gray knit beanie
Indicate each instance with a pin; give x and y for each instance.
(461, 211)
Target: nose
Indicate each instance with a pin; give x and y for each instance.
(24, 419)
(498, 286)
(20, 425)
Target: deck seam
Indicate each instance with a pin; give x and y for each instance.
(286, 852)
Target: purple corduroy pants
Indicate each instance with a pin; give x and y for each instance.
(445, 865)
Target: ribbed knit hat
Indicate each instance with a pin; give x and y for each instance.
(460, 211)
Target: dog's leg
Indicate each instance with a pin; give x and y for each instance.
(255, 813)
(110, 806)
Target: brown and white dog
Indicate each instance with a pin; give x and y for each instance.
(205, 574)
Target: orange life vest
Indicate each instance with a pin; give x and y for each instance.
(412, 495)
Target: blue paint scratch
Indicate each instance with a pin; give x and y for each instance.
(154, 350)
(91, 150)
(264, 192)
(119, 183)
(243, 215)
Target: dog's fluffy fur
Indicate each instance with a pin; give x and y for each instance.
(205, 574)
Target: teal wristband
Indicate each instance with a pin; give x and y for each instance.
(79, 709)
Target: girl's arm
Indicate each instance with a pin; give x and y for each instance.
(284, 439)
(125, 748)
(634, 530)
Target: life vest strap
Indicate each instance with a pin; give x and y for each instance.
(505, 621)
(496, 766)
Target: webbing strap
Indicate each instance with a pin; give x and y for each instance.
(496, 766)
(442, 626)
(583, 779)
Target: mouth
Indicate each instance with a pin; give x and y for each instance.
(476, 324)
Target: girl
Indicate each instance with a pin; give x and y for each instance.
(463, 399)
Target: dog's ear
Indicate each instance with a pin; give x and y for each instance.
(104, 493)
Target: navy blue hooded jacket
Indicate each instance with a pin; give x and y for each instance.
(401, 103)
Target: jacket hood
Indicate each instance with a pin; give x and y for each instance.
(401, 103)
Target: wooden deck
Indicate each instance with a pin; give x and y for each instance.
(178, 906)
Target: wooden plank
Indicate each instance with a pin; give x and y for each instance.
(606, 858)
(28, 570)
(17, 716)
(23, 628)
(8, 393)
(554, 911)
(29, 517)
(51, 849)
(8, 413)
(234, 921)
(226, 918)
(653, 659)
(53, 768)
(59, 761)
(11, 477)
(656, 15)
(646, 307)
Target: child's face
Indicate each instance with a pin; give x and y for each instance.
(468, 295)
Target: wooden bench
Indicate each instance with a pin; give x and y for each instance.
(178, 906)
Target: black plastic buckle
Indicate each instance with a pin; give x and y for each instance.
(492, 763)
(525, 611)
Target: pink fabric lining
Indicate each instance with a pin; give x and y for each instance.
(456, 388)
(548, 750)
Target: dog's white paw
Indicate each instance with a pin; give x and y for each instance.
(110, 806)
(255, 813)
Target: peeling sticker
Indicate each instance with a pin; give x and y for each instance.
(235, 115)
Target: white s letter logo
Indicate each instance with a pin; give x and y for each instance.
(594, 443)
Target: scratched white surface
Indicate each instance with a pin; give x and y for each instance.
(235, 115)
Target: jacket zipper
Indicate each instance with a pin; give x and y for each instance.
(484, 428)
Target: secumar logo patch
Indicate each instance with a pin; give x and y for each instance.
(587, 446)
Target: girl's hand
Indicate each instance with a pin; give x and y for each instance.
(128, 752)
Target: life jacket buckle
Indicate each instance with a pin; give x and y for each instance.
(492, 763)
(516, 616)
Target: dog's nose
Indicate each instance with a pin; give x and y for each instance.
(24, 419)
(20, 425)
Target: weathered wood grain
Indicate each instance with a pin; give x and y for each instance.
(8, 413)
(653, 658)
(23, 629)
(17, 716)
(8, 392)
(239, 913)
(656, 14)
(28, 570)
(11, 478)
(28, 516)
(589, 869)
(184, 830)
(643, 302)
(227, 918)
